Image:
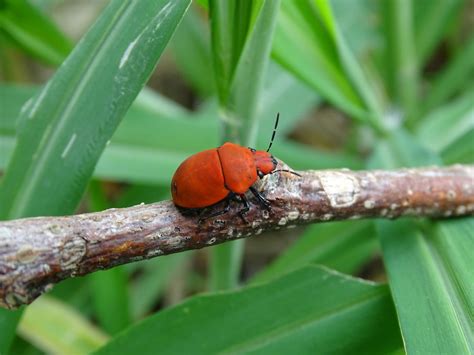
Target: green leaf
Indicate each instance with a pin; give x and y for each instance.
(28, 28)
(343, 246)
(152, 280)
(461, 151)
(54, 327)
(192, 51)
(225, 264)
(231, 22)
(243, 100)
(66, 127)
(361, 35)
(457, 75)
(432, 19)
(400, 55)
(8, 322)
(400, 149)
(110, 299)
(430, 275)
(448, 123)
(304, 47)
(12, 98)
(351, 66)
(280, 317)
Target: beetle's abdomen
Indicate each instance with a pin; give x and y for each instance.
(238, 165)
(198, 182)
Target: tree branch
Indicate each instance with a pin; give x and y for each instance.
(36, 253)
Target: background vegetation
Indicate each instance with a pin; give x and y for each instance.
(359, 84)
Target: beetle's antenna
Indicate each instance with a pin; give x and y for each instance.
(285, 170)
(274, 131)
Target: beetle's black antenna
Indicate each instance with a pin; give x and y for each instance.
(274, 131)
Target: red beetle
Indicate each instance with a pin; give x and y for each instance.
(226, 172)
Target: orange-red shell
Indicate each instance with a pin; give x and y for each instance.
(198, 182)
(238, 166)
(208, 177)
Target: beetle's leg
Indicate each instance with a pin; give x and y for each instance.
(245, 209)
(262, 200)
(216, 213)
(260, 174)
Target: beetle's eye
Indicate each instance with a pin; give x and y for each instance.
(252, 150)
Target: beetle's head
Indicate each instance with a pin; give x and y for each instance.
(264, 161)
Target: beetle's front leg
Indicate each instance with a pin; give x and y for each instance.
(261, 200)
(245, 209)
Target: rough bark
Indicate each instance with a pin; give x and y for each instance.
(36, 253)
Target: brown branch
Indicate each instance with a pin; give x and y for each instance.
(36, 253)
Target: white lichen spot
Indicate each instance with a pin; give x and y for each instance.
(461, 210)
(451, 195)
(293, 215)
(369, 204)
(149, 217)
(282, 221)
(409, 192)
(393, 206)
(327, 217)
(341, 189)
(384, 212)
(305, 216)
(265, 214)
(447, 213)
(55, 229)
(153, 253)
(364, 183)
(409, 212)
(73, 250)
(211, 241)
(26, 254)
(48, 287)
(5, 233)
(356, 216)
(291, 226)
(68, 146)
(258, 231)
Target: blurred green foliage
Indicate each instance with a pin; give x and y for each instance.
(399, 71)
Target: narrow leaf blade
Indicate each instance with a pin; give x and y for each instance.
(66, 127)
(346, 317)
